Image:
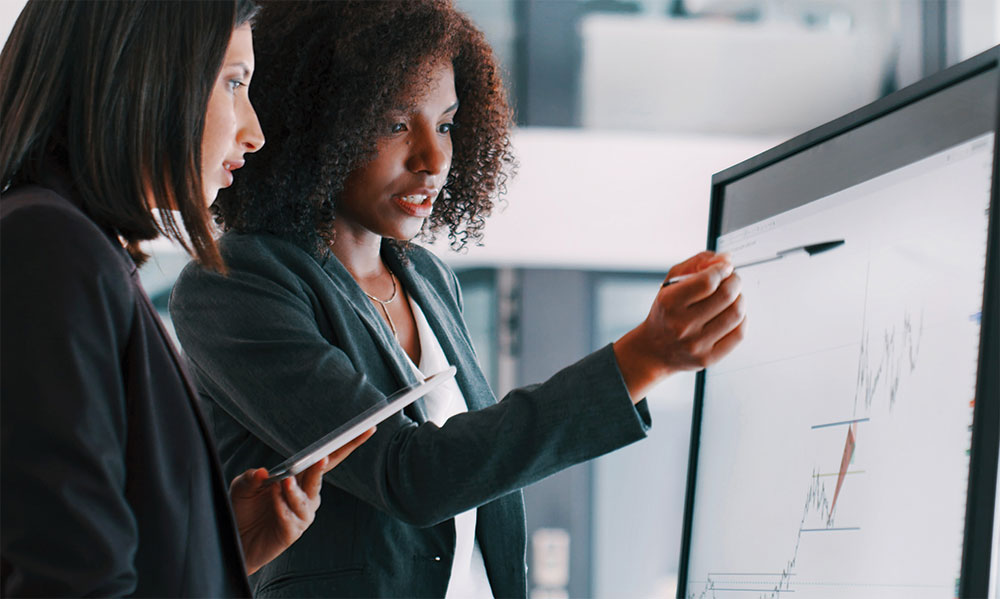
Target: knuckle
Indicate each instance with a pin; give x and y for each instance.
(741, 304)
(726, 297)
(707, 285)
(735, 315)
(730, 291)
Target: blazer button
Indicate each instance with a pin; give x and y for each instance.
(437, 558)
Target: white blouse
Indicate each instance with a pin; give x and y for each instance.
(468, 571)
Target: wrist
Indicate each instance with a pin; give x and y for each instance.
(638, 363)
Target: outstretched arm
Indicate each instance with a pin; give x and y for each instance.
(279, 347)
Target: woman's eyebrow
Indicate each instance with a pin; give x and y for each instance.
(400, 111)
(240, 65)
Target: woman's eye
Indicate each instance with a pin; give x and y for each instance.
(397, 127)
(446, 127)
(235, 84)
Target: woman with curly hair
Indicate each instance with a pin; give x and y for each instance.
(386, 121)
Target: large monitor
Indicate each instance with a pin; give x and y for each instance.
(848, 447)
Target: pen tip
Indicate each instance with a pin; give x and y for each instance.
(817, 248)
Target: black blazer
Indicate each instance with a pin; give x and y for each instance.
(285, 347)
(110, 483)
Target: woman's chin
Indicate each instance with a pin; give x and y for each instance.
(405, 233)
(210, 193)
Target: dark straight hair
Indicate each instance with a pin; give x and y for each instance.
(115, 93)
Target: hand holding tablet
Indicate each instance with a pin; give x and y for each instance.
(348, 431)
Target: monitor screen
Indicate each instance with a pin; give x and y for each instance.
(848, 445)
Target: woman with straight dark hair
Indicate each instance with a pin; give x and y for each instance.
(111, 111)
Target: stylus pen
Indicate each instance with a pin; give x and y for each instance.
(811, 249)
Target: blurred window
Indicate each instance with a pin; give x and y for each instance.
(479, 295)
(639, 490)
(756, 67)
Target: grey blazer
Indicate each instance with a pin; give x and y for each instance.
(286, 347)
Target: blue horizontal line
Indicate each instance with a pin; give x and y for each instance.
(750, 574)
(756, 590)
(842, 422)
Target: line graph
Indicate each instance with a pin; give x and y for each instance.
(774, 584)
(880, 375)
(898, 356)
(895, 353)
(833, 445)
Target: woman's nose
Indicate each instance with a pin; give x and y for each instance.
(249, 135)
(430, 152)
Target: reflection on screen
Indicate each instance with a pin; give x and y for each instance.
(834, 448)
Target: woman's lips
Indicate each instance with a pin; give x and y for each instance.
(229, 166)
(419, 205)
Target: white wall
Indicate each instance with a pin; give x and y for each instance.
(728, 77)
(9, 9)
(979, 26)
(606, 200)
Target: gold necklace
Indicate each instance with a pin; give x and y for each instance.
(384, 303)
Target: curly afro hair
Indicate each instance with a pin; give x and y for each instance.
(327, 76)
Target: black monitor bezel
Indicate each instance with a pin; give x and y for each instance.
(975, 572)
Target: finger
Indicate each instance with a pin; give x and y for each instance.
(295, 498)
(699, 263)
(311, 480)
(728, 343)
(338, 456)
(708, 308)
(723, 324)
(699, 286)
(694, 264)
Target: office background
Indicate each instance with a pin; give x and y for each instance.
(625, 108)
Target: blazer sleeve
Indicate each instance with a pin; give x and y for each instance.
(67, 527)
(254, 341)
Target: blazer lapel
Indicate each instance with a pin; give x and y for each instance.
(219, 479)
(450, 331)
(350, 293)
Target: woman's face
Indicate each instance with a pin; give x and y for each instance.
(393, 194)
(231, 127)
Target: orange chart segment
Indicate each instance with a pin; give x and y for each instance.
(845, 461)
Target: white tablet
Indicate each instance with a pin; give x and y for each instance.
(343, 434)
